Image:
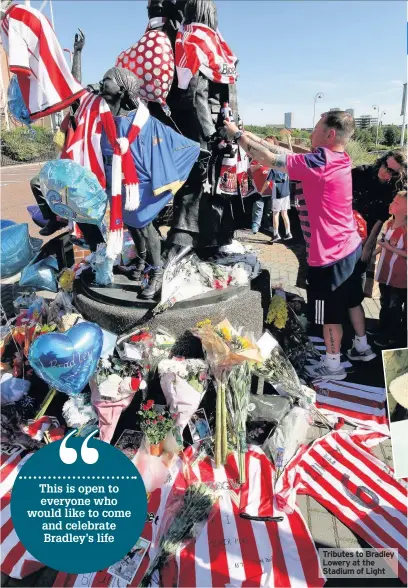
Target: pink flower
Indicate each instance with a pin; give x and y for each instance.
(160, 417)
(154, 422)
(203, 376)
(148, 422)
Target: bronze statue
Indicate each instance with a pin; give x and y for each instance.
(201, 217)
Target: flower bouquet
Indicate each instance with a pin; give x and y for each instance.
(184, 382)
(146, 347)
(226, 348)
(280, 373)
(183, 522)
(156, 426)
(278, 310)
(113, 387)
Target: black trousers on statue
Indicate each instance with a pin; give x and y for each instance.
(148, 244)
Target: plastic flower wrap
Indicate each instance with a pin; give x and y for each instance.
(184, 382)
(224, 348)
(113, 388)
(276, 369)
(188, 508)
(288, 436)
(146, 347)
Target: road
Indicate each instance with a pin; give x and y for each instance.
(16, 194)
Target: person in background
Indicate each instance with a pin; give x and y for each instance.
(332, 241)
(280, 204)
(374, 186)
(262, 205)
(392, 274)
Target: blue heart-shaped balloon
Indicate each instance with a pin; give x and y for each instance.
(66, 361)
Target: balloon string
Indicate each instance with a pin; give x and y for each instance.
(45, 403)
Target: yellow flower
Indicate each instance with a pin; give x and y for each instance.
(278, 312)
(66, 280)
(204, 323)
(245, 342)
(226, 334)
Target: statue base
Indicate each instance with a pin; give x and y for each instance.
(118, 309)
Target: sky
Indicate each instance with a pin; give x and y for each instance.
(354, 52)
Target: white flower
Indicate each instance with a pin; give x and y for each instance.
(105, 363)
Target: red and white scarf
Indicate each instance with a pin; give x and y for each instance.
(35, 56)
(85, 149)
(200, 48)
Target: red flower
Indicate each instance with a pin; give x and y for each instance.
(218, 285)
(155, 422)
(160, 417)
(140, 337)
(148, 405)
(174, 415)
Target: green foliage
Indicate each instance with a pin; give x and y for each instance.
(359, 154)
(21, 144)
(392, 135)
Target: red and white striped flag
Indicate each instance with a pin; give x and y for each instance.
(199, 47)
(359, 405)
(15, 559)
(35, 56)
(340, 473)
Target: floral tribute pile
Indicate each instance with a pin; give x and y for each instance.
(221, 464)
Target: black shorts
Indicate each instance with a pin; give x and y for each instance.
(329, 298)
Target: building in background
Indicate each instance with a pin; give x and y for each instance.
(289, 120)
(335, 109)
(350, 111)
(365, 121)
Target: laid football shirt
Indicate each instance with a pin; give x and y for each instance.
(328, 223)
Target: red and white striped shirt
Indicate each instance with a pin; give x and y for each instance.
(15, 559)
(35, 56)
(392, 268)
(231, 550)
(359, 405)
(199, 47)
(340, 473)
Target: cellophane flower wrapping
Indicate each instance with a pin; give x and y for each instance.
(288, 436)
(146, 347)
(187, 505)
(280, 373)
(224, 348)
(153, 469)
(184, 383)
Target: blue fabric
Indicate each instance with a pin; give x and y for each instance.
(281, 184)
(257, 212)
(161, 156)
(316, 159)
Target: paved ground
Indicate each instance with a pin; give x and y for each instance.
(286, 263)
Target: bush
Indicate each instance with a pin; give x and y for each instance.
(359, 154)
(25, 145)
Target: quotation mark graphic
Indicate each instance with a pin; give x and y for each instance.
(69, 455)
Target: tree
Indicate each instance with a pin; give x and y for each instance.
(392, 135)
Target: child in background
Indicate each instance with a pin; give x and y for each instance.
(392, 274)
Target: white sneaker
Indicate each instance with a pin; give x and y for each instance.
(366, 355)
(322, 371)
